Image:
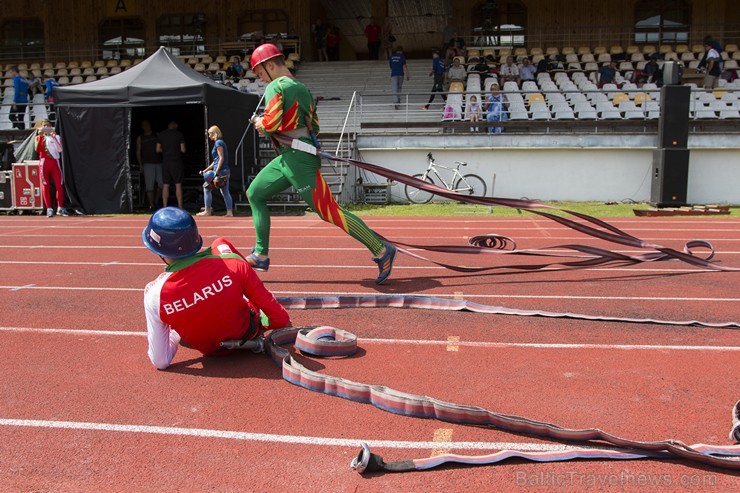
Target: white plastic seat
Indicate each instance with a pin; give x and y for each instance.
(587, 114)
(518, 114)
(611, 114)
(729, 113)
(705, 114)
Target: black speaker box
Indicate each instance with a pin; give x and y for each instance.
(6, 190)
(670, 177)
(673, 127)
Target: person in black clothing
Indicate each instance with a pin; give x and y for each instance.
(172, 146)
(149, 160)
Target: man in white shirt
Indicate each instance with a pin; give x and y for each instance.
(456, 73)
(509, 71)
(713, 70)
(527, 70)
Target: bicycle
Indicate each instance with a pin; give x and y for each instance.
(469, 184)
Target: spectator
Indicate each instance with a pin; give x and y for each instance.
(527, 70)
(172, 146)
(481, 68)
(150, 162)
(372, 33)
(652, 72)
(456, 73)
(321, 31)
(49, 85)
(332, 43)
(399, 69)
(716, 46)
(219, 176)
(509, 71)
(473, 111)
(387, 39)
(455, 47)
(49, 148)
(203, 298)
(236, 69)
(438, 72)
(297, 164)
(543, 66)
(713, 65)
(495, 109)
(20, 99)
(608, 73)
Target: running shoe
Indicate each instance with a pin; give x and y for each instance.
(49, 212)
(260, 264)
(385, 263)
(62, 211)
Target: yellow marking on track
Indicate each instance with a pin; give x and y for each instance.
(441, 435)
(452, 343)
(458, 295)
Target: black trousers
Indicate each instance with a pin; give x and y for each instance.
(17, 115)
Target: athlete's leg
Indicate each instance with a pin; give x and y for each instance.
(268, 182)
(45, 183)
(302, 170)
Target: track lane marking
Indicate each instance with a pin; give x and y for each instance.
(414, 342)
(274, 438)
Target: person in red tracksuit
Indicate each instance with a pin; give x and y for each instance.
(204, 297)
(49, 147)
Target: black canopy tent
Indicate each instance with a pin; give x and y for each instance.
(97, 121)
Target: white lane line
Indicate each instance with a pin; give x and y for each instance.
(439, 295)
(415, 342)
(273, 438)
(365, 266)
(26, 286)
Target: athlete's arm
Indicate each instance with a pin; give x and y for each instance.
(163, 341)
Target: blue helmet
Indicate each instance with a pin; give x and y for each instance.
(208, 178)
(172, 233)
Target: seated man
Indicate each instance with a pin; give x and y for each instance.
(509, 71)
(456, 73)
(608, 74)
(455, 47)
(482, 68)
(527, 70)
(203, 297)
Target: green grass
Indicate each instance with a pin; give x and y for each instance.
(595, 209)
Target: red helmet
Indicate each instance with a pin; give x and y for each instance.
(263, 53)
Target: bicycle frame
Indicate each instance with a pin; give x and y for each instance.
(433, 166)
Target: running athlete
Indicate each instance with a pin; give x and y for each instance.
(201, 298)
(49, 148)
(290, 120)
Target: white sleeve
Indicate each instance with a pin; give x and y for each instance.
(163, 341)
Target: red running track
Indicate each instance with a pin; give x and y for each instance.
(83, 410)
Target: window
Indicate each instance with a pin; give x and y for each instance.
(500, 23)
(122, 38)
(183, 34)
(23, 39)
(662, 21)
(256, 23)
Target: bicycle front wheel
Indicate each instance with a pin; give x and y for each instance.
(471, 185)
(416, 195)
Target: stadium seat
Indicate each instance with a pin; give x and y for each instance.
(62, 72)
(687, 56)
(540, 112)
(98, 64)
(85, 64)
(583, 50)
(529, 86)
(648, 49)
(49, 72)
(567, 50)
(88, 71)
(612, 114)
(729, 113)
(637, 57)
(682, 48)
(199, 67)
(665, 49)
(535, 52)
(124, 63)
(73, 64)
(632, 49)
(566, 114)
(520, 52)
(115, 70)
(102, 71)
(587, 114)
(619, 98)
(731, 65)
(587, 58)
(598, 50)
(535, 97)
(559, 107)
(63, 81)
(221, 59)
(705, 114)
(641, 97)
(454, 87)
(731, 48)
(625, 66)
(75, 71)
(616, 50)
(47, 66)
(90, 78)
(77, 79)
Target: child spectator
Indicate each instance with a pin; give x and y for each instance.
(473, 111)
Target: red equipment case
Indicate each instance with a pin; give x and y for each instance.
(27, 186)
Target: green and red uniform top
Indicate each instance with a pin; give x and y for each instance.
(289, 106)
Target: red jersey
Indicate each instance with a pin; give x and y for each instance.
(206, 299)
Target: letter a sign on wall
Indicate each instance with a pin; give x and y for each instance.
(120, 8)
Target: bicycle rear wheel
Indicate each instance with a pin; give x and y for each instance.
(471, 185)
(416, 195)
